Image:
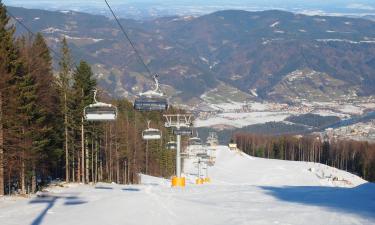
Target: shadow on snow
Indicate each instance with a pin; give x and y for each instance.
(103, 188)
(359, 200)
(131, 189)
(50, 201)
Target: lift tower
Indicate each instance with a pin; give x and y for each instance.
(181, 125)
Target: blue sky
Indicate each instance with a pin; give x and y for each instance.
(204, 6)
(317, 3)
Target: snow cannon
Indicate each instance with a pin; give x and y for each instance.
(178, 181)
(199, 181)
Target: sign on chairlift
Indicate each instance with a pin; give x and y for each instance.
(184, 131)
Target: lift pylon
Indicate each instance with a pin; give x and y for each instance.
(178, 121)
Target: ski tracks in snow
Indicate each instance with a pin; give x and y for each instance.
(164, 203)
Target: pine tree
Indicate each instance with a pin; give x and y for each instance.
(29, 118)
(9, 67)
(48, 139)
(64, 88)
(51, 127)
(83, 89)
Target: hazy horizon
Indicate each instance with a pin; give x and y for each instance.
(155, 8)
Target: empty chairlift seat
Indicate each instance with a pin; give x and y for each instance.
(195, 141)
(151, 134)
(150, 103)
(152, 100)
(100, 112)
(171, 145)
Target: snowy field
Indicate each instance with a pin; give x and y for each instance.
(244, 190)
(242, 119)
(232, 113)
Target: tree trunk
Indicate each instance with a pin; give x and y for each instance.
(33, 179)
(110, 155)
(66, 138)
(92, 160)
(73, 166)
(79, 178)
(82, 151)
(23, 183)
(134, 172)
(117, 165)
(87, 165)
(96, 160)
(101, 170)
(2, 192)
(106, 152)
(127, 172)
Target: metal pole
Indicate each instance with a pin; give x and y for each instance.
(178, 156)
(199, 168)
(147, 157)
(206, 170)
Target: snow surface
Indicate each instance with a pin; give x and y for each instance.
(275, 24)
(241, 114)
(244, 190)
(242, 119)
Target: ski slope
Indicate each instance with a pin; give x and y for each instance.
(244, 190)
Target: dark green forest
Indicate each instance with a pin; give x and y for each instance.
(43, 134)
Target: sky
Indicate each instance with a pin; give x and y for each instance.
(166, 7)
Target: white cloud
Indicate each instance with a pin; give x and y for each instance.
(360, 6)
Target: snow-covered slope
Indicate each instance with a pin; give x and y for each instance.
(235, 167)
(245, 190)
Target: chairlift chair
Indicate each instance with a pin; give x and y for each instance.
(151, 133)
(99, 111)
(172, 145)
(152, 100)
(195, 141)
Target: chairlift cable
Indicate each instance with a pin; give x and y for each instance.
(130, 41)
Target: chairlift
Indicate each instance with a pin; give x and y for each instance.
(203, 155)
(151, 133)
(172, 145)
(195, 140)
(99, 111)
(153, 100)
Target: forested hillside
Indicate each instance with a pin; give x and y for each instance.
(353, 156)
(281, 55)
(43, 134)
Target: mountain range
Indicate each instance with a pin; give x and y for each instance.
(142, 9)
(266, 55)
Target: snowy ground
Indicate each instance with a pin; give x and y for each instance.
(241, 114)
(244, 190)
(242, 119)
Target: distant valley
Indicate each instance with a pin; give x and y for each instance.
(286, 64)
(276, 53)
